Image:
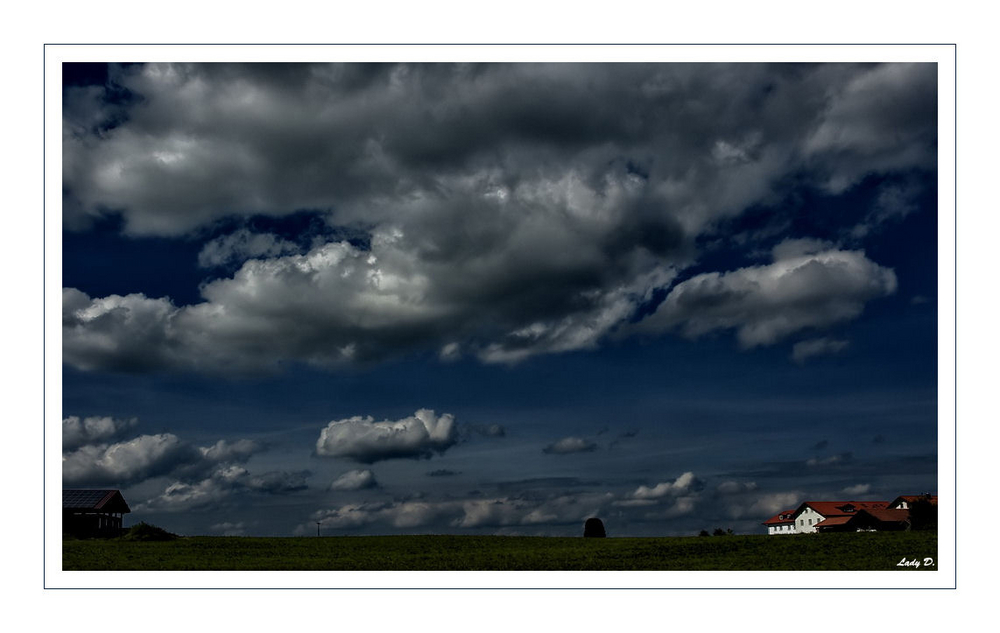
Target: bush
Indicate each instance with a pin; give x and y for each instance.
(145, 532)
(594, 528)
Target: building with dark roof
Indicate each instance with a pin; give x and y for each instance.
(93, 513)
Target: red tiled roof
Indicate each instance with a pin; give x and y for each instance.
(889, 516)
(841, 508)
(778, 520)
(841, 520)
(912, 498)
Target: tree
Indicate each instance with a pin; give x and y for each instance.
(594, 527)
(923, 515)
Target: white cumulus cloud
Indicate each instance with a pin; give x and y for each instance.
(765, 304)
(684, 484)
(367, 441)
(354, 480)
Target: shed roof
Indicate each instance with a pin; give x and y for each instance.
(104, 500)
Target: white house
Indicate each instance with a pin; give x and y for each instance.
(781, 523)
(813, 516)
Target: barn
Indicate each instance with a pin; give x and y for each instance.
(93, 513)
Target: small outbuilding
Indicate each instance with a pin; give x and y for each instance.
(93, 513)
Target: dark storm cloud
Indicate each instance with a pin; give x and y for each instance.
(510, 209)
(77, 432)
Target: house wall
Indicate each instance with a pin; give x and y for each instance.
(780, 529)
(92, 524)
(805, 521)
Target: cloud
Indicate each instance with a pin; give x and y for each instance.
(683, 485)
(340, 304)
(880, 120)
(895, 201)
(366, 441)
(224, 451)
(486, 430)
(767, 505)
(354, 480)
(832, 460)
(735, 487)
(89, 459)
(804, 350)
(77, 432)
(859, 489)
(181, 496)
(765, 304)
(277, 481)
(220, 488)
(200, 142)
(126, 462)
(242, 245)
(569, 445)
(501, 220)
(468, 513)
(122, 333)
(230, 529)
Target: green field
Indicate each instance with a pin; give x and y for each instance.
(853, 551)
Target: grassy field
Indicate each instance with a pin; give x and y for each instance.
(855, 551)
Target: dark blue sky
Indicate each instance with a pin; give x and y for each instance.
(498, 298)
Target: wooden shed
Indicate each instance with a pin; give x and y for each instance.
(93, 513)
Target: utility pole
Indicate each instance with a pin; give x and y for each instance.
(317, 528)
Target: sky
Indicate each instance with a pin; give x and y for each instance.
(498, 298)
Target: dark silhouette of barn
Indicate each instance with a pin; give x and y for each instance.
(93, 513)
